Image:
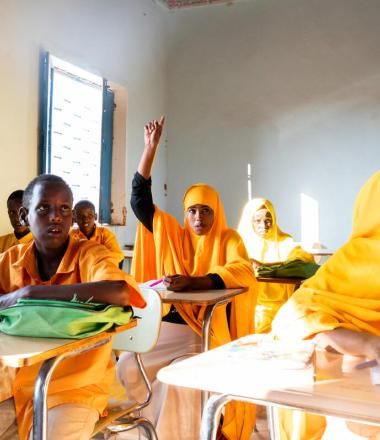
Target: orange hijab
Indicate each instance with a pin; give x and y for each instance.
(172, 249)
(277, 246)
(345, 292)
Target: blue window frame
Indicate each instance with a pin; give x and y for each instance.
(76, 131)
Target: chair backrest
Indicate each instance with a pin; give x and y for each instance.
(143, 337)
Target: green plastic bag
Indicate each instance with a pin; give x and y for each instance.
(291, 269)
(61, 319)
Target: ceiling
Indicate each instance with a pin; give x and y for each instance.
(177, 4)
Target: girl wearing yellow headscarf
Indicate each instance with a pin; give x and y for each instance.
(266, 245)
(202, 254)
(340, 305)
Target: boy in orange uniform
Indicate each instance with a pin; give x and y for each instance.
(85, 216)
(79, 389)
(20, 232)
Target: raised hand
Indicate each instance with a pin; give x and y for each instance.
(152, 133)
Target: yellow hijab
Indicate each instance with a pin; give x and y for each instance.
(345, 292)
(172, 249)
(277, 246)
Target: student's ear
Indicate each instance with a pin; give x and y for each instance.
(23, 216)
(73, 218)
(96, 216)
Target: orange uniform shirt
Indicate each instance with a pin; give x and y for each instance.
(84, 378)
(102, 236)
(9, 240)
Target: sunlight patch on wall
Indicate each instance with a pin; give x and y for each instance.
(309, 220)
(249, 181)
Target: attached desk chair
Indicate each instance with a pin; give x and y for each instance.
(124, 415)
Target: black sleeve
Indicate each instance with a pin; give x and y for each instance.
(217, 282)
(142, 201)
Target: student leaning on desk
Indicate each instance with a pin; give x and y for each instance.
(340, 308)
(200, 255)
(78, 392)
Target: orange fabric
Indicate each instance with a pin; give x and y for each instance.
(172, 249)
(84, 378)
(103, 236)
(9, 240)
(345, 292)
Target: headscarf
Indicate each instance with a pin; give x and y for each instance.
(345, 292)
(172, 249)
(276, 246)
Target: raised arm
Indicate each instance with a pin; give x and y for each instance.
(152, 135)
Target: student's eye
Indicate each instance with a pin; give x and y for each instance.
(42, 209)
(66, 209)
(191, 211)
(206, 211)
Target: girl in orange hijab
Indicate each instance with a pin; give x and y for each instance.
(340, 305)
(267, 244)
(203, 254)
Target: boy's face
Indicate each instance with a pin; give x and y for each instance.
(49, 215)
(13, 210)
(85, 217)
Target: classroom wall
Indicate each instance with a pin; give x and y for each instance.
(291, 87)
(121, 40)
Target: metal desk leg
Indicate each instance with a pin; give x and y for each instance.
(211, 415)
(273, 422)
(40, 397)
(41, 388)
(206, 337)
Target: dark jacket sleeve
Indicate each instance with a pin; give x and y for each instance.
(142, 200)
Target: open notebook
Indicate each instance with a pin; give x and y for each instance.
(272, 353)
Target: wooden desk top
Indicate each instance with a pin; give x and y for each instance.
(20, 351)
(199, 297)
(340, 390)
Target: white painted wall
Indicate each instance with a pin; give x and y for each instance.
(121, 40)
(290, 86)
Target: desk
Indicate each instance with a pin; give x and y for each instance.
(295, 281)
(209, 298)
(19, 351)
(344, 392)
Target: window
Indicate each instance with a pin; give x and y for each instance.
(76, 130)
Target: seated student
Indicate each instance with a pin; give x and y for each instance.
(203, 254)
(20, 232)
(85, 216)
(266, 245)
(340, 305)
(78, 392)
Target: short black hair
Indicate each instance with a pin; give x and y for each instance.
(84, 203)
(48, 178)
(16, 195)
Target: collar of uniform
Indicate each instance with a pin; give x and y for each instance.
(27, 259)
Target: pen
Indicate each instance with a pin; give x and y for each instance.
(367, 364)
(156, 282)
